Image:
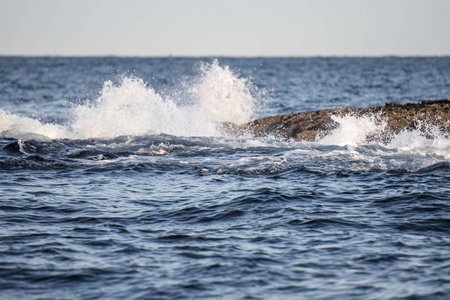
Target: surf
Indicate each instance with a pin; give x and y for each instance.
(132, 107)
(220, 105)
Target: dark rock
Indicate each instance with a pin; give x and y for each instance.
(310, 126)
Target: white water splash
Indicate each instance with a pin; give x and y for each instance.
(217, 95)
(131, 108)
(415, 142)
(221, 96)
(416, 148)
(23, 127)
(134, 108)
(352, 130)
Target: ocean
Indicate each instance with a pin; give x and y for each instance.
(117, 182)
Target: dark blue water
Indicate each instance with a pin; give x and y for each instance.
(116, 181)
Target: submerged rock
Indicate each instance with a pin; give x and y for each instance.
(310, 126)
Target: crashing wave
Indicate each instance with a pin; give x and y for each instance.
(381, 123)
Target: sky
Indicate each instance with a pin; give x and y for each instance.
(225, 28)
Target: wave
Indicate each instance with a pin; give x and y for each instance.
(134, 107)
(131, 123)
(15, 126)
(218, 155)
(353, 131)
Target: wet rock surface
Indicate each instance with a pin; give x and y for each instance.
(310, 126)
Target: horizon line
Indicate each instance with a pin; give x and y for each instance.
(224, 56)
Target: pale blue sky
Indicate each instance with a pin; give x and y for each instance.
(227, 27)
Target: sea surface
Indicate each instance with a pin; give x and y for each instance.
(117, 182)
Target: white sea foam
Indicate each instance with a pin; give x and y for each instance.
(356, 131)
(134, 107)
(221, 96)
(22, 127)
(217, 95)
(414, 142)
(428, 144)
(352, 130)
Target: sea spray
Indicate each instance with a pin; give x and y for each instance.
(134, 108)
(410, 149)
(352, 130)
(221, 96)
(130, 108)
(16, 126)
(360, 130)
(428, 141)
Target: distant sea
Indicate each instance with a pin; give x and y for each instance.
(117, 182)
